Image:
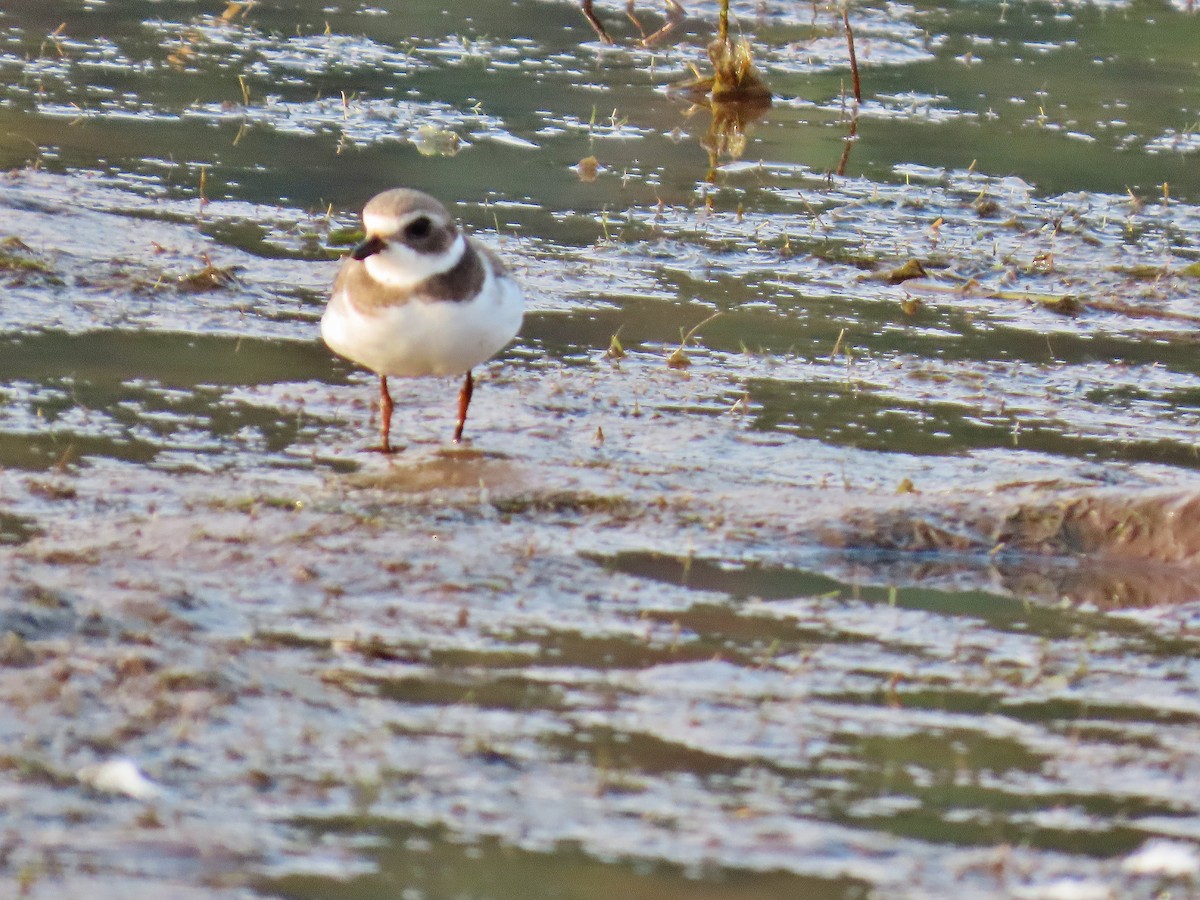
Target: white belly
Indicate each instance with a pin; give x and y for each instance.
(441, 337)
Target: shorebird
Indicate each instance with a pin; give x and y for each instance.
(420, 297)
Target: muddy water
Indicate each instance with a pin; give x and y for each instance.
(891, 590)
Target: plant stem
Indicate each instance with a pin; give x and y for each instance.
(850, 45)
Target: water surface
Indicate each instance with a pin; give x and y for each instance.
(890, 591)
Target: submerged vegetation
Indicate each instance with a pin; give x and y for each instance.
(734, 77)
(19, 262)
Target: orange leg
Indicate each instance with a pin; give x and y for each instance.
(464, 400)
(385, 415)
(594, 22)
(634, 19)
(675, 16)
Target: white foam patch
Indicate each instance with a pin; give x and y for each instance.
(1172, 859)
(1066, 889)
(120, 776)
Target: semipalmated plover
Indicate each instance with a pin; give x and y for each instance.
(419, 297)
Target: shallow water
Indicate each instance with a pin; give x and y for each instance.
(891, 591)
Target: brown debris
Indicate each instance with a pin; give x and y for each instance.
(1159, 528)
(909, 270)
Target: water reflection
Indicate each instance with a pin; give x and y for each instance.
(729, 130)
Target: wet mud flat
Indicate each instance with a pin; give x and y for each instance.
(624, 636)
(884, 582)
(627, 633)
(558, 655)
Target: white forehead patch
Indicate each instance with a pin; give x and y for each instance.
(381, 223)
(384, 224)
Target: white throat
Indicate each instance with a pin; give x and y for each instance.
(399, 266)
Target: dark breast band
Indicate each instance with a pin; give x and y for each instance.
(460, 283)
(457, 284)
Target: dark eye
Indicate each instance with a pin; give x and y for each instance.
(418, 228)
